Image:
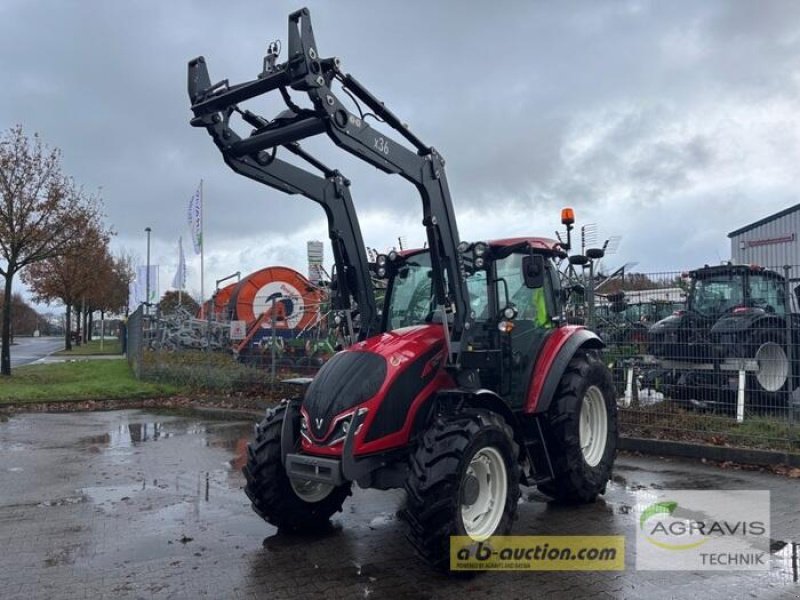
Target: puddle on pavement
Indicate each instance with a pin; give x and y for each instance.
(125, 436)
(786, 559)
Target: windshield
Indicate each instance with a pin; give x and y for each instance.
(715, 295)
(411, 301)
(767, 293)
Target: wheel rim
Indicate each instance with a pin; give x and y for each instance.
(773, 366)
(482, 515)
(593, 426)
(310, 491)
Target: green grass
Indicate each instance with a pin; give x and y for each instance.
(664, 420)
(76, 381)
(110, 346)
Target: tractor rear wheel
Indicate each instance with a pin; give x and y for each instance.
(769, 382)
(464, 480)
(582, 431)
(288, 504)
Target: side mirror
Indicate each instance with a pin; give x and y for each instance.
(533, 270)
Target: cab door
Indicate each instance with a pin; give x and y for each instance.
(535, 302)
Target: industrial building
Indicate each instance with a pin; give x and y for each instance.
(770, 242)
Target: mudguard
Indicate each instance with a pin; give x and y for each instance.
(557, 351)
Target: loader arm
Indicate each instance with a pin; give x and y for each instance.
(254, 156)
(330, 190)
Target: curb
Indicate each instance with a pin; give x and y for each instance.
(768, 458)
(169, 403)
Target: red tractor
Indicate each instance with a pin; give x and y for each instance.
(465, 386)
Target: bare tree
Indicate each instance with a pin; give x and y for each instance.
(77, 275)
(41, 212)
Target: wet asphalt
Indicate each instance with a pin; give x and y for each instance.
(132, 504)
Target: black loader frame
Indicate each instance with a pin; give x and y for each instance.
(254, 157)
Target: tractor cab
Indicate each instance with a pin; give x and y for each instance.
(721, 299)
(514, 302)
(725, 289)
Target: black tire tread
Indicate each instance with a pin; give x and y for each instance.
(268, 487)
(433, 485)
(575, 481)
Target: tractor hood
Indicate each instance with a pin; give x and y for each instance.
(743, 319)
(400, 362)
(671, 323)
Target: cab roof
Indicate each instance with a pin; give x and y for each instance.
(733, 270)
(541, 245)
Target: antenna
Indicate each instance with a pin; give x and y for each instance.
(588, 236)
(612, 244)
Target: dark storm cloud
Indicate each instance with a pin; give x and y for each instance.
(628, 110)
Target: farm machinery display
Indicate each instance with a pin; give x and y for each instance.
(468, 383)
(738, 318)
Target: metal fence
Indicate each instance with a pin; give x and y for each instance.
(711, 355)
(199, 353)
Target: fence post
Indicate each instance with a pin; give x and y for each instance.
(272, 349)
(787, 272)
(136, 340)
(628, 387)
(740, 396)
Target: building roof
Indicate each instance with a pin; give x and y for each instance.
(765, 220)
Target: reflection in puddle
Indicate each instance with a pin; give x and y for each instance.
(786, 559)
(128, 435)
(283, 540)
(229, 436)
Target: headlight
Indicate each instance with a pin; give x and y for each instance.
(392, 256)
(479, 262)
(463, 247)
(479, 249)
(380, 260)
(381, 272)
(509, 312)
(505, 326)
(340, 430)
(337, 319)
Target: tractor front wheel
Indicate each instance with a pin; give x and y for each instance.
(464, 481)
(582, 431)
(288, 504)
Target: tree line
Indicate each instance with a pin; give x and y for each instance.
(53, 235)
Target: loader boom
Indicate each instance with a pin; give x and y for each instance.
(255, 157)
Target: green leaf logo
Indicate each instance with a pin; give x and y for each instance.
(659, 508)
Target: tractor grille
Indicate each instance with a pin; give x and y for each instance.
(345, 381)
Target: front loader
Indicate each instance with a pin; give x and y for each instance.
(468, 383)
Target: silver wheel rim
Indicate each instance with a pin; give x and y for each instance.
(482, 517)
(773, 366)
(310, 491)
(593, 426)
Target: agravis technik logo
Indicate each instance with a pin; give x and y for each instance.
(704, 530)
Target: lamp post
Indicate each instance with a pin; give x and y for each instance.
(147, 276)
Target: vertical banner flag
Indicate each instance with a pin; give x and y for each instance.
(133, 295)
(196, 220)
(141, 284)
(179, 281)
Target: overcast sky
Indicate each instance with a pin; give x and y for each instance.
(667, 123)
